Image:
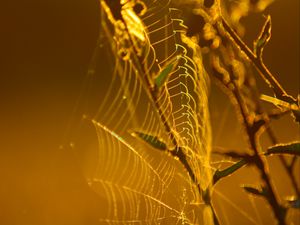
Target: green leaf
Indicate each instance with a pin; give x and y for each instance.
(152, 140)
(290, 148)
(263, 37)
(162, 77)
(255, 191)
(228, 171)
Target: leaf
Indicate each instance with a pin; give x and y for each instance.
(263, 37)
(278, 102)
(148, 182)
(286, 102)
(131, 103)
(158, 144)
(290, 148)
(228, 171)
(162, 77)
(152, 140)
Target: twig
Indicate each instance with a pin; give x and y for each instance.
(177, 152)
(258, 63)
(258, 160)
(253, 142)
(271, 135)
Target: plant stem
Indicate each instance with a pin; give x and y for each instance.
(178, 150)
(258, 160)
(257, 61)
(271, 135)
(251, 133)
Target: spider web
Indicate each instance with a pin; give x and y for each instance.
(138, 183)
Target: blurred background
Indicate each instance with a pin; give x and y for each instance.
(281, 56)
(45, 50)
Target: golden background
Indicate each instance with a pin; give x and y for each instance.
(45, 49)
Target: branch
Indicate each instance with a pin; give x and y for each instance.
(251, 133)
(257, 62)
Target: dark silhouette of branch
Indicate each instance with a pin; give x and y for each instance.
(257, 61)
(252, 135)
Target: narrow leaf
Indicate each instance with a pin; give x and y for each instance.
(287, 102)
(254, 191)
(290, 148)
(162, 77)
(280, 103)
(228, 171)
(152, 140)
(263, 37)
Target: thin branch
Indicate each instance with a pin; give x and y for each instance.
(258, 63)
(258, 159)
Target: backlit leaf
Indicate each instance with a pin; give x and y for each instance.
(255, 191)
(290, 148)
(152, 140)
(228, 171)
(263, 37)
(162, 77)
